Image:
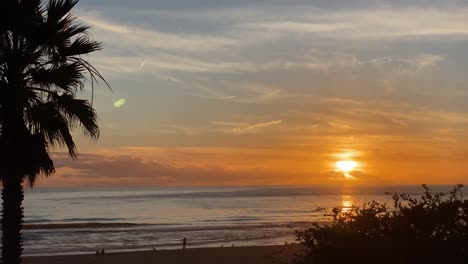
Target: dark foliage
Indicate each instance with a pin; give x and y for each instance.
(42, 69)
(432, 228)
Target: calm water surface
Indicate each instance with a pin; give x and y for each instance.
(63, 221)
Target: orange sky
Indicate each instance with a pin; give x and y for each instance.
(313, 164)
(275, 93)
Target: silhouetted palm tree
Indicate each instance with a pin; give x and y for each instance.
(41, 71)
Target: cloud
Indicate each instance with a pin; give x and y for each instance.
(298, 27)
(137, 36)
(98, 169)
(399, 113)
(328, 61)
(313, 60)
(246, 129)
(266, 124)
(177, 130)
(422, 60)
(240, 92)
(368, 20)
(169, 167)
(161, 62)
(206, 51)
(339, 125)
(418, 61)
(354, 176)
(235, 48)
(377, 23)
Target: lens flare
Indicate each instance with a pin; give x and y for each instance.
(119, 103)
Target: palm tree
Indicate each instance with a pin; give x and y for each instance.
(42, 70)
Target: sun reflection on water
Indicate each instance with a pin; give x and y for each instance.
(346, 203)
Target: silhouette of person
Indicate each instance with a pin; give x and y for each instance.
(184, 243)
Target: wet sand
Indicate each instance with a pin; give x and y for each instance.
(226, 255)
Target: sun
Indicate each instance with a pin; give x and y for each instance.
(346, 165)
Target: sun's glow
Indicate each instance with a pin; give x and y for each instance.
(346, 165)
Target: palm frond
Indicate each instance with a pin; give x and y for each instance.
(66, 76)
(47, 120)
(95, 74)
(42, 69)
(74, 29)
(58, 9)
(78, 112)
(39, 159)
(32, 8)
(30, 152)
(81, 45)
(32, 11)
(10, 10)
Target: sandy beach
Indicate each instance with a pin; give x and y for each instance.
(226, 255)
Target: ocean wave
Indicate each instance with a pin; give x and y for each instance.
(75, 220)
(160, 227)
(76, 225)
(85, 225)
(265, 192)
(91, 219)
(213, 195)
(233, 219)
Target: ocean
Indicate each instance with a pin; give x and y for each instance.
(75, 221)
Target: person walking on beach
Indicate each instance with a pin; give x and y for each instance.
(184, 243)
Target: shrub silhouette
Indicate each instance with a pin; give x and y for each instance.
(430, 229)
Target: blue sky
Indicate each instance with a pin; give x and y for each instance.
(251, 91)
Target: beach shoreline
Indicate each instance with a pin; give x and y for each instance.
(226, 255)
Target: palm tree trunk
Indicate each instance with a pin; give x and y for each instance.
(12, 219)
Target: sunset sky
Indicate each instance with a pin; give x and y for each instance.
(250, 92)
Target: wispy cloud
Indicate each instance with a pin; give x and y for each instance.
(242, 129)
(138, 36)
(165, 62)
(299, 27)
(380, 23)
(176, 130)
(157, 63)
(418, 61)
(339, 125)
(135, 48)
